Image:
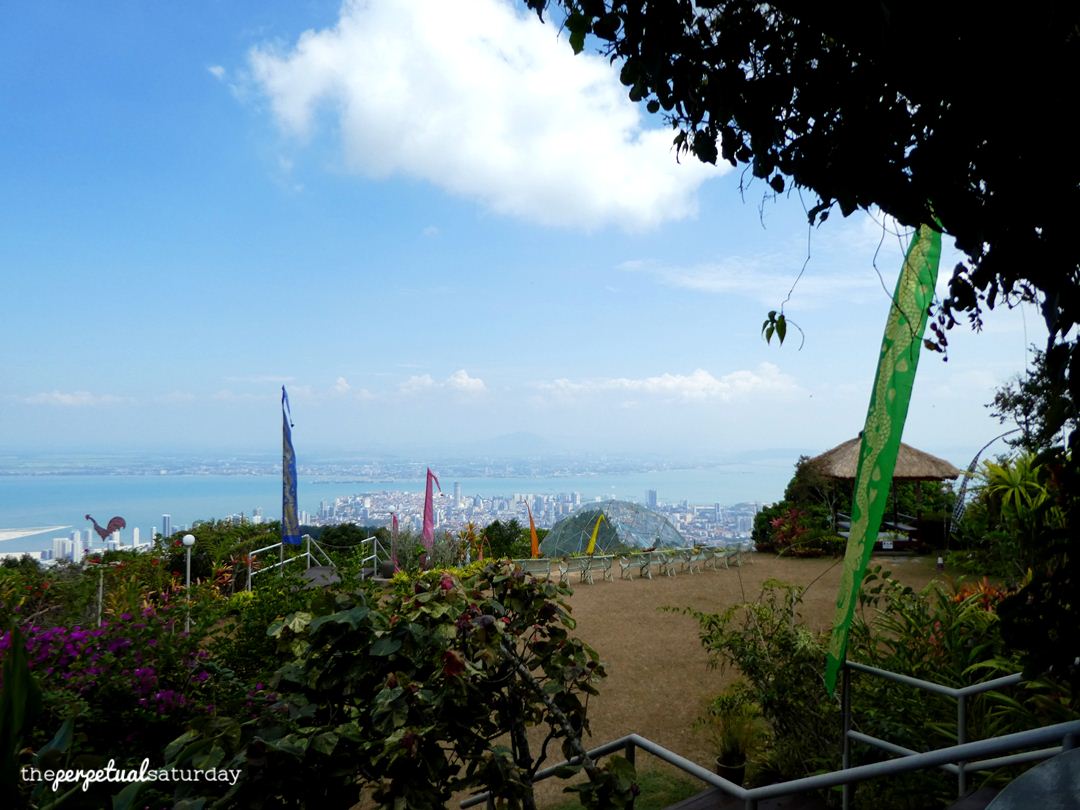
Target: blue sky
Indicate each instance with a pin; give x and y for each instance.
(436, 226)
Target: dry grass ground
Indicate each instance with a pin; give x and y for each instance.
(658, 677)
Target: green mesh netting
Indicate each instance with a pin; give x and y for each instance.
(626, 526)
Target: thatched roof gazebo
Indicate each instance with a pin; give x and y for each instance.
(911, 464)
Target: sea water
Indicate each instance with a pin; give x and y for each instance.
(64, 500)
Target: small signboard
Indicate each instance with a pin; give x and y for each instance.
(886, 545)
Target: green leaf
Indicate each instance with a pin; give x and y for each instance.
(298, 621)
(386, 646)
(173, 749)
(209, 760)
(577, 40)
(61, 741)
(325, 743)
(781, 328)
(125, 799)
(294, 744)
(351, 617)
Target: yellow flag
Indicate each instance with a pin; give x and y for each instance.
(592, 540)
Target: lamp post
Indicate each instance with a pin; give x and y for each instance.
(189, 541)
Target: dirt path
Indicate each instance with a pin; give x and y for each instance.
(658, 679)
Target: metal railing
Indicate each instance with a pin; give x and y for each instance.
(313, 552)
(960, 759)
(1067, 734)
(961, 768)
(377, 555)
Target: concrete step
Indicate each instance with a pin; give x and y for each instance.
(320, 576)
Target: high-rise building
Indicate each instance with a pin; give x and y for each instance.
(61, 547)
(166, 526)
(135, 537)
(457, 492)
(650, 498)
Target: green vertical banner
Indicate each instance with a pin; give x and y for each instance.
(900, 347)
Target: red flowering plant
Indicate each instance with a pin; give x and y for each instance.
(802, 532)
(988, 595)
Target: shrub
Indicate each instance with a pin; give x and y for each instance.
(949, 637)
(428, 691)
(781, 663)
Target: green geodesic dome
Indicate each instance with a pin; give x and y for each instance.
(625, 526)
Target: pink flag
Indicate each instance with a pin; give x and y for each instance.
(429, 511)
(393, 540)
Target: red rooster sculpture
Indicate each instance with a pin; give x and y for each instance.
(115, 524)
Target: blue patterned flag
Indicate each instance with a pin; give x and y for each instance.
(290, 525)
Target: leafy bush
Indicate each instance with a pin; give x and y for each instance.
(780, 660)
(947, 637)
(428, 691)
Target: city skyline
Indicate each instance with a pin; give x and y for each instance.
(442, 231)
(711, 523)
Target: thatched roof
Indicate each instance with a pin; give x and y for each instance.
(911, 464)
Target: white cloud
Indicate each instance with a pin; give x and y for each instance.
(217, 71)
(699, 385)
(73, 399)
(765, 278)
(342, 387)
(430, 231)
(485, 102)
(855, 260)
(459, 381)
(417, 384)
